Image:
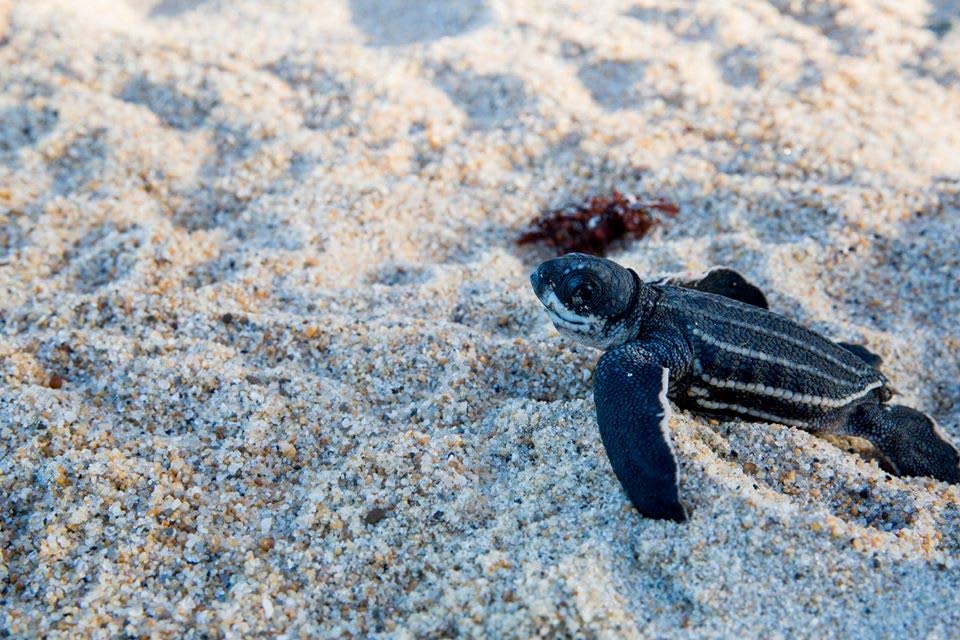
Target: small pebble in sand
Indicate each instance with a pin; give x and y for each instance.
(375, 515)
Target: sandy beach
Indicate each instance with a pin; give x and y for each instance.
(270, 363)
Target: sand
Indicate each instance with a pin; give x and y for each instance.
(271, 365)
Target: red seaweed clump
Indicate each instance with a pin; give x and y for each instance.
(591, 228)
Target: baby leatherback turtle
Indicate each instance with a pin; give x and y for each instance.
(711, 346)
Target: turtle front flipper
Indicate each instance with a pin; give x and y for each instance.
(723, 281)
(630, 390)
(863, 353)
(909, 440)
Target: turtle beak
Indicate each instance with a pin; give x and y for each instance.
(536, 282)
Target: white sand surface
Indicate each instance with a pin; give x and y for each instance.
(271, 365)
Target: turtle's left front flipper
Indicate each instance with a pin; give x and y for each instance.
(630, 390)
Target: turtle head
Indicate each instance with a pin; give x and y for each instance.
(590, 299)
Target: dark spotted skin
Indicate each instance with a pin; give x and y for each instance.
(711, 346)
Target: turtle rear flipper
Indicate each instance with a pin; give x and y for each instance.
(909, 440)
(723, 281)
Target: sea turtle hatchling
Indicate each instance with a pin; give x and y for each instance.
(711, 346)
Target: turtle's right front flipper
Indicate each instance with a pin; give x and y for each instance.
(630, 390)
(725, 282)
(863, 353)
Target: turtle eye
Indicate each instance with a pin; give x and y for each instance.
(584, 292)
(580, 290)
